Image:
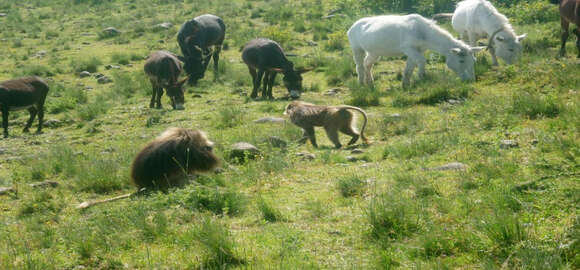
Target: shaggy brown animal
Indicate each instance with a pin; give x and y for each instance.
(166, 161)
(332, 118)
(23, 93)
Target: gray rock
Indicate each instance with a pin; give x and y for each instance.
(395, 115)
(453, 166)
(111, 31)
(276, 141)
(98, 75)
(88, 88)
(351, 158)
(3, 14)
(270, 119)
(129, 65)
(40, 54)
(6, 190)
(506, 144)
(242, 150)
(86, 34)
(357, 151)
(306, 155)
(107, 67)
(534, 141)
(165, 25)
(104, 79)
(84, 74)
(44, 184)
(311, 43)
(52, 123)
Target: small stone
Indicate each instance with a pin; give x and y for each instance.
(6, 190)
(534, 141)
(357, 151)
(52, 123)
(84, 74)
(44, 184)
(98, 75)
(86, 34)
(506, 144)
(40, 54)
(2, 151)
(219, 170)
(270, 120)
(306, 156)
(454, 101)
(311, 43)
(86, 43)
(453, 166)
(3, 14)
(242, 150)
(129, 65)
(111, 31)
(107, 67)
(88, 88)
(276, 141)
(104, 79)
(351, 158)
(395, 115)
(165, 25)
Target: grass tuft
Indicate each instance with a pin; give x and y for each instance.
(351, 186)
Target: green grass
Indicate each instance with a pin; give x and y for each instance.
(511, 208)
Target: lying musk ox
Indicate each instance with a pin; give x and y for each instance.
(166, 162)
(195, 38)
(23, 93)
(163, 69)
(267, 57)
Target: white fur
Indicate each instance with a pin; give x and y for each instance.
(410, 35)
(475, 19)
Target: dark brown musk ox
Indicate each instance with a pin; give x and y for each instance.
(166, 161)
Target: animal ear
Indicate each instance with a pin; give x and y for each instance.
(522, 37)
(477, 49)
(288, 107)
(304, 70)
(455, 50)
(500, 38)
(279, 70)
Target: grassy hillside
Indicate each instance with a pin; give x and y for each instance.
(510, 208)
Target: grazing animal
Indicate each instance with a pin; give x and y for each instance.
(267, 57)
(195, 38)
(475, 19)
(332, 118)
(410, 35)
(569, 13)
(166, 161)
(23, 93)
(163, 69)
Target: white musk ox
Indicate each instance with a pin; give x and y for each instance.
(476, 19)
(410, 35)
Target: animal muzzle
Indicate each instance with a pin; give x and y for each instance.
(294, 94)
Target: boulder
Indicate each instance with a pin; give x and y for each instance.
(270, 120)
(242, 150)
(111, 31)
(506, 144)
(84, 74)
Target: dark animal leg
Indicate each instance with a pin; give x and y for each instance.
(32, 111)
(40, 118)
(271, 81)
(577, 33)
(153, 94)
(254, 76)
(159, 95)
(216, 60)
(349, 131)
(257, 83)
(310, 133)
(265, 83)
(304, 137)
(564, 36)
(5, 120)
(333, 136)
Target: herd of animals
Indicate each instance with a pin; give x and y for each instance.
(160, 163)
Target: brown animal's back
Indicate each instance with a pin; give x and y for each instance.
(163, 66)
(25, 84)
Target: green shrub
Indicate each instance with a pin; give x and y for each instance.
(218, 243)
(364, 96)
(229, 116)
(216, 200)
(534, 106)
(505, 230)
(392, 216)
(90, 64)
(269, 213)
(278, 34)
(351, 186)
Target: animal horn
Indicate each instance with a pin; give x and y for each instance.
(490, 41)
